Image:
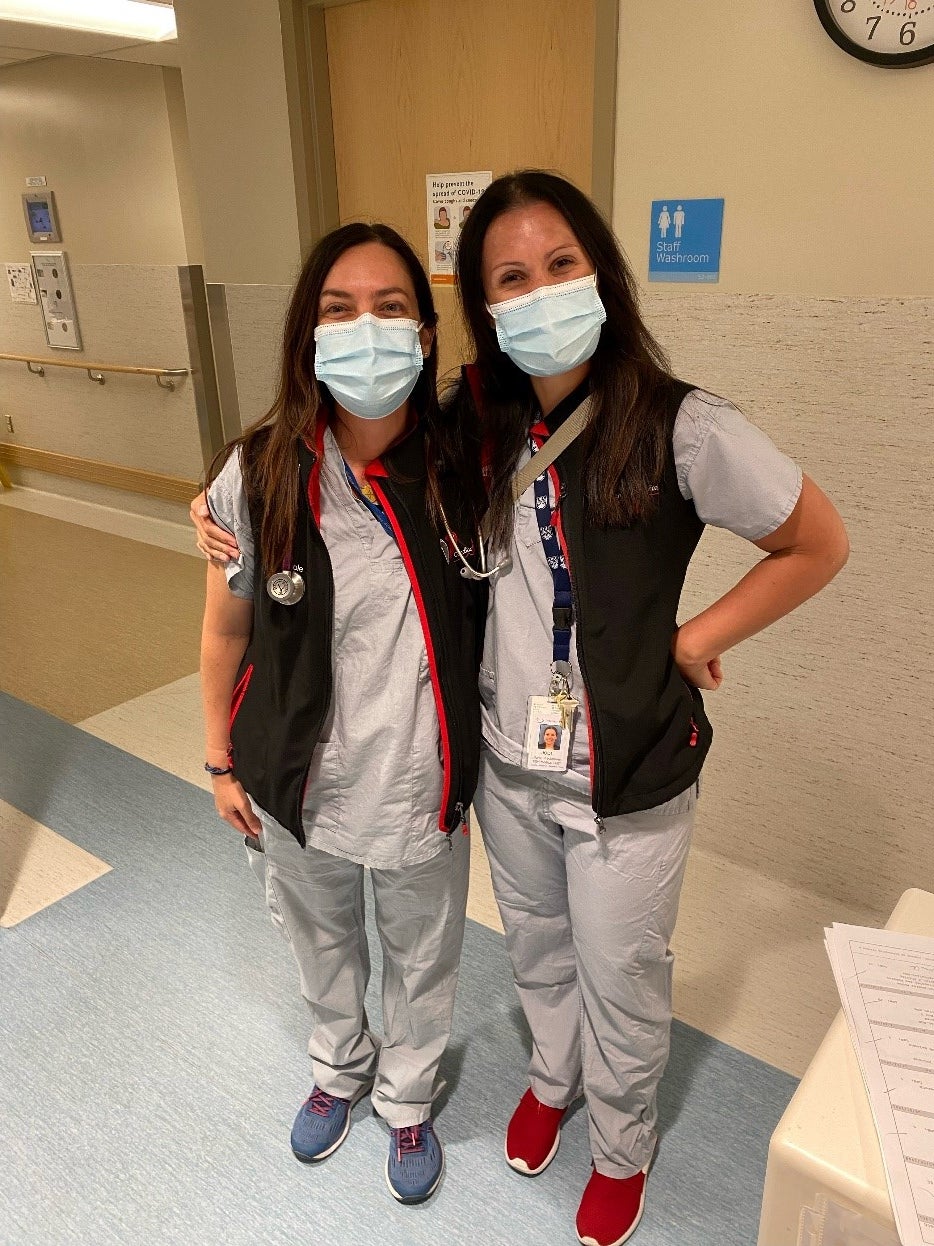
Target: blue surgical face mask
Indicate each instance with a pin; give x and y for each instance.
(369, 365)
(552, 329)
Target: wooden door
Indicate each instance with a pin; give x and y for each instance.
(441, 86)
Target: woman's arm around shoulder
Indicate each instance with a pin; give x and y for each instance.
(219, 512)
(216, 543)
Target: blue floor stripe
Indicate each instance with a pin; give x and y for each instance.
(153, 1057)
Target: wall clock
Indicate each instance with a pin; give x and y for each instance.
(893, 33)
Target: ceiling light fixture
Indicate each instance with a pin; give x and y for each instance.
(131, 19)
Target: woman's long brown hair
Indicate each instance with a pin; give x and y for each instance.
(269, 445)
(628, 438)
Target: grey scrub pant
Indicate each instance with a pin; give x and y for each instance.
(316, 901)
(588, 920)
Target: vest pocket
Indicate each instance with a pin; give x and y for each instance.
(677, 748)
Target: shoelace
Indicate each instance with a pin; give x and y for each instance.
(321, 1103)
(409, 1141)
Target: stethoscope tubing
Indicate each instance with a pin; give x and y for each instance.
(466, 570)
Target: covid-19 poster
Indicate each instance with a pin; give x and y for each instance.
(450, 197)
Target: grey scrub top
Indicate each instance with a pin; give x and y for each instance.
(376, 778)
(737, 479)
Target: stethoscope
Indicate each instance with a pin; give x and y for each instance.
(287, 587)
(466, 570)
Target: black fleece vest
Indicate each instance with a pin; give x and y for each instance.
(284, 686)
(649, 732)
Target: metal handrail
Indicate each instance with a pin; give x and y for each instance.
(95, 371)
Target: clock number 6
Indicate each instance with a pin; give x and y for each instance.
(907, 34)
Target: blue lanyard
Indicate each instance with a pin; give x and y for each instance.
(562, 610)
(372, 506)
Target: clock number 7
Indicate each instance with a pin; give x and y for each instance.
(874, 22)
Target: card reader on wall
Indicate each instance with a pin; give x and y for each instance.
(41, 216)
(57, 299)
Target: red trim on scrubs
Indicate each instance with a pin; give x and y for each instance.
(314, 476)
(374, 472)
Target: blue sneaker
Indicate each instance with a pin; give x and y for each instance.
(322, 1124)
(416, 1163)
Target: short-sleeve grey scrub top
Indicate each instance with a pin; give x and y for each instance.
(737, 479)
(376, 778)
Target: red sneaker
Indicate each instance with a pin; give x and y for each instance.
(532, 1135)
(611, 1209)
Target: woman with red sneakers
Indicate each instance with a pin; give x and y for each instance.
(587, 845)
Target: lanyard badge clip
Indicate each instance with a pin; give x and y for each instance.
(559, 692)
(561, 679)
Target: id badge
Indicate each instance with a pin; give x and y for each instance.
(549, 727)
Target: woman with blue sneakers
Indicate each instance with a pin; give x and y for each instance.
(339, 670)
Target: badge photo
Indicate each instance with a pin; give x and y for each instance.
(547, 736)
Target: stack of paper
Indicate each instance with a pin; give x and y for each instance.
(886, 985)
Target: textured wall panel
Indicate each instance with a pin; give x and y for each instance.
(130, 314)
(255, 314)
(821, 771)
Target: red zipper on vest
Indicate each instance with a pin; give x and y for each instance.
(239, 693)
(314, 503)
(429, 643)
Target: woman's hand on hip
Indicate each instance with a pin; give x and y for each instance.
(234, 806)
(700, 672)
(214, 542)
(705, 675)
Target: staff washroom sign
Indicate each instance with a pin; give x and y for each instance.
(684, 239)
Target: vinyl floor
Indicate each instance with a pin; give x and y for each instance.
(90, 619)
(153, 1056)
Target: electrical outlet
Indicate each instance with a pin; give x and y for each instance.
(9, 424)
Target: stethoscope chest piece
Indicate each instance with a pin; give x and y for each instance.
(286, 587)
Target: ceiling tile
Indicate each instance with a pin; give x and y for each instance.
(51, 39)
